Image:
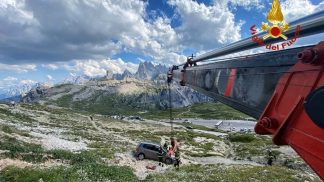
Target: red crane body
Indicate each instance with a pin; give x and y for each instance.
(289, 105)
(286, 117)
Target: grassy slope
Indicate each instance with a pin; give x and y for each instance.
(249, 145)
(115, 104)
(84, 172)
(118, 104)
(84, 166)
(210, 110)
(91, 165)
(208, 173)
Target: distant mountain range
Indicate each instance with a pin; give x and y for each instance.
(127, 96)
(146, 71)
(78, 79)
(15, 93)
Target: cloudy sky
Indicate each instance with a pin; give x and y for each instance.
(49, 40)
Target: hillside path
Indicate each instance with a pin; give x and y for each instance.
(119, 138)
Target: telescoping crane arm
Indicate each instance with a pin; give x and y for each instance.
(284, 89)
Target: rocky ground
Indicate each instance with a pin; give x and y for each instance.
(50, 143)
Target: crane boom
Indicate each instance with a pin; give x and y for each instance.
(284, 90)
(255, 79)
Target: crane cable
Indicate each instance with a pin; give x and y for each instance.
(170, 106)
(169, 81)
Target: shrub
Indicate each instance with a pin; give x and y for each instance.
(243, 138)
(89, 172)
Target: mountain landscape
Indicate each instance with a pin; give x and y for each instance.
(114, 97)
(146, 71)
(17, 92)
(144, 90)
(84, 95)
(90, 127)
(48, 141)
(50, 130)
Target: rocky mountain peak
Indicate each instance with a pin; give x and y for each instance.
(127, 73)
(148, 71)
(78, 80)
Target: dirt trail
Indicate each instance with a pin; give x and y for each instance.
(13, 162)
(140, 170)
(4, 163)
(119, 138)
(139, 166)
(220, 160)
(210, 132)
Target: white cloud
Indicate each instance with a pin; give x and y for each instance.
(10, 84)
(170, 58)
(246, 4)
(10, 78)
(66, 30)
(92, 29)
(293, 9)
(71, 74)
(49, 77)
(89, 31)
(96, 29)
(27, 82)
(50, 66)
(94, 68)
(205, 27)
(22, 68)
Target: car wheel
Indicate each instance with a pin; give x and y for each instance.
(141, 156)
(168, 161)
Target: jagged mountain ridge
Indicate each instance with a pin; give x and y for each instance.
(112, 96)
(125, 74)
(15, 90)
(76, 79)
(146, 71)
(146, 89)
(15, 93)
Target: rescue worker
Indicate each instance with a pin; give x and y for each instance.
(165, 147)
(173, 142)
(161, 153)
(271, 157)
(162, 142)
(171, 151)
(177, 157)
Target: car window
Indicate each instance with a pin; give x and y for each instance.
(151, 147)
(157, 148)
(146, 146)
